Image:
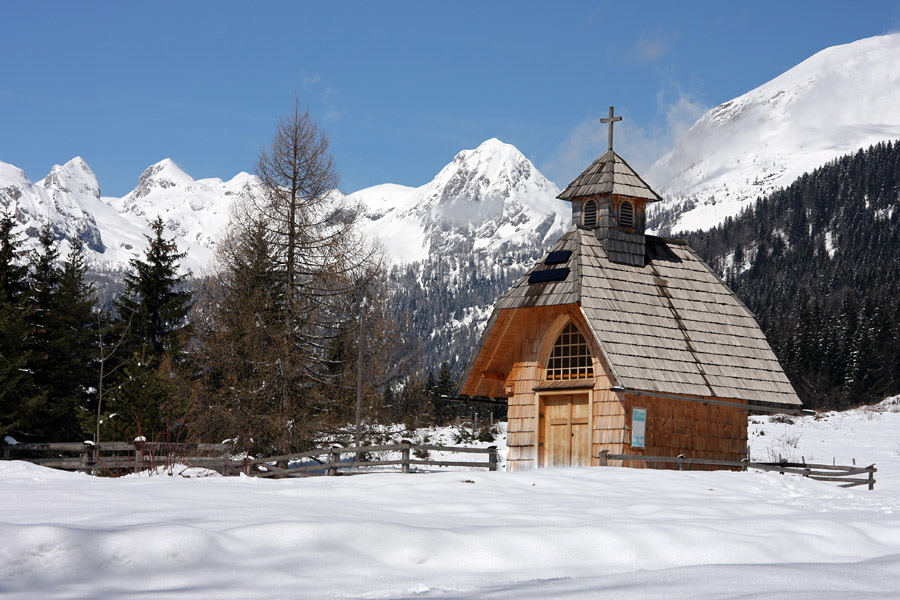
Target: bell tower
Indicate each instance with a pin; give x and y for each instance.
(610, 199)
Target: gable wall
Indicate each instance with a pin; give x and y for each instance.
(525, 371)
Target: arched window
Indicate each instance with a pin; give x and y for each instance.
(570, 357)
(626, 215)
(589, 217)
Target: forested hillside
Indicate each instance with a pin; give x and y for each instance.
(819, 265)
(449, 298)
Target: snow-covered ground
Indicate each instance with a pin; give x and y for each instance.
(568, 533)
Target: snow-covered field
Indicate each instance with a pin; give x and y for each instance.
(570, 533)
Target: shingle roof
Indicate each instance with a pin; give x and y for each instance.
(670, 326)
(609, 174)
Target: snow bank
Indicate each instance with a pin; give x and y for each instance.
(568, 533)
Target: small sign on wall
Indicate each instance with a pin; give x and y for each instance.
(638, 427)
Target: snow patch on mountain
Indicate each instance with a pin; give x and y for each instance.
(840, 100)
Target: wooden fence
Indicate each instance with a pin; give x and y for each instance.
(329, 461)
(117, 458)
(847, 476)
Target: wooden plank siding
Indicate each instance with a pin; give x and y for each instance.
(683, 427)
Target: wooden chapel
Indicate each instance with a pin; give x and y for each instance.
(621, 341)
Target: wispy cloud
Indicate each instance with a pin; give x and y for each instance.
(308, 82)
(330, 99)
(649, 48)
(640, 144)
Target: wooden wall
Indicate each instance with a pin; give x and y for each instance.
(610, 423)
(696, 430)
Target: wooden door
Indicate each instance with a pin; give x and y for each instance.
(564, 436)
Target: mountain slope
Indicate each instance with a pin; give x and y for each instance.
(841, 99)
(819, 264)
(454, 244)
(197, 212)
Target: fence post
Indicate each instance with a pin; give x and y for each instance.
(86, 455)
(404, 456)
(334, 457)
(603, 458)
(138, 454)
(492, 458)
(5, 451)
(871, 476)
(226, 458)
(680, 458)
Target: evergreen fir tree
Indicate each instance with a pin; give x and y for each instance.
(63, 350)
(13, 272)
(18, 394)
(44, 279)
(155, 303)
(153, 309)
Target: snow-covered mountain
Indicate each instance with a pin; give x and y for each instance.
(458, 242)
(113, 229)
(195, 211)
(840, 100)
(486, 199)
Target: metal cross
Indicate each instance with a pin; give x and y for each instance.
(610, 120)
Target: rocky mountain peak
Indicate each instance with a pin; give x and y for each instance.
(485, 198)
(163, 175)
(73, 177)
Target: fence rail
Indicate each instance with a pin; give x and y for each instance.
(129, 457)
(845, 475)
(332, 464)
(124, 457)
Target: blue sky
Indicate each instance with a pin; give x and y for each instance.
(401, 87)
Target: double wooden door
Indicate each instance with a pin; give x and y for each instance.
(564, 431)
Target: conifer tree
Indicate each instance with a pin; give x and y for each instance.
(316, 271)
(153, 308)
(63, 349)
(156, 301)
(44, 279)
(17, 389)
(239, 330)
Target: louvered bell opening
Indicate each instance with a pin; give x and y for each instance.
(626, 215)
(590, 214)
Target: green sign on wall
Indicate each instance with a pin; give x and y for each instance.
(638, 427)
